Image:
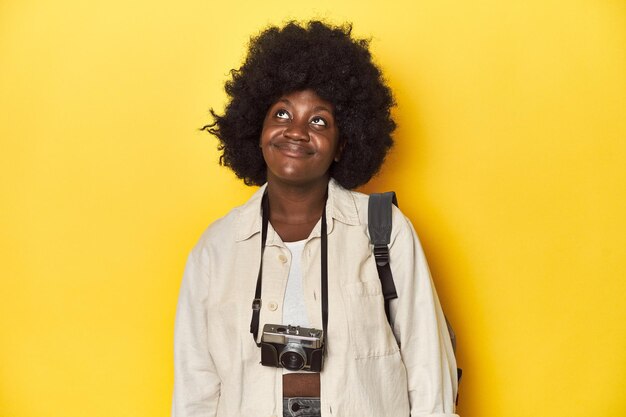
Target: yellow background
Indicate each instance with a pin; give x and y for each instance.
(510, 160)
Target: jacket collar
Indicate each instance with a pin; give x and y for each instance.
(339, 207)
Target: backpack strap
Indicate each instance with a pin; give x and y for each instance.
(379, 225)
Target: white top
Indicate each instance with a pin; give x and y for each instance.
(294, 309)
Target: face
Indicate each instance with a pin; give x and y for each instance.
(299, 138)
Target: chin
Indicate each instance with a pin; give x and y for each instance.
(294, 179)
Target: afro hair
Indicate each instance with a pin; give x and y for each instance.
(327, 60)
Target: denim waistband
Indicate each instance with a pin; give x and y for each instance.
(301, 407)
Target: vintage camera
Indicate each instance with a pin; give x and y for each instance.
(292, 347)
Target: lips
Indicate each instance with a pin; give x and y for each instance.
(293, 149)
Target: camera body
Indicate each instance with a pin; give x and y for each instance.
(292, 347)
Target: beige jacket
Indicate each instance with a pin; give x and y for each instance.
(370, 368)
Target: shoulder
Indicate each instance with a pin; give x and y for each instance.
(400, 223)
(354, 205)
(238, 224)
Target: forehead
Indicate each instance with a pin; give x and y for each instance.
(308, 98)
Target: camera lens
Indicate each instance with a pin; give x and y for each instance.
(293, 357)
(292, 361)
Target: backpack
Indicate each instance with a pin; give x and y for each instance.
(379, 225)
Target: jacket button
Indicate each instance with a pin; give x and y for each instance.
(272, 305)
(282, 258)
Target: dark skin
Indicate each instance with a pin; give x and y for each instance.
(295, 212)
(300, 141)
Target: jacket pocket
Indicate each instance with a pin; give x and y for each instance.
(370, 333)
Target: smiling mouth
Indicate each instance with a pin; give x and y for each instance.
(292, 149)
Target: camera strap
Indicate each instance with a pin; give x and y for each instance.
(257, 303)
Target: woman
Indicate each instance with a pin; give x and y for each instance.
(308, 120)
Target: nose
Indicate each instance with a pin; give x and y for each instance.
(297, 131)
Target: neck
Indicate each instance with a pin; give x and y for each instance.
(296, 208)
(296, 204)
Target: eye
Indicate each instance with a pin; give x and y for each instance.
(318, 121)
(282, 114)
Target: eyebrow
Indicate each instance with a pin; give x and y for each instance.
(320, 108)
(316, 109)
